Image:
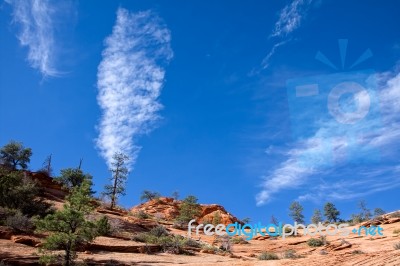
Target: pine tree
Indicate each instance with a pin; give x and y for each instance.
(274, 220)
(148, 195)
(175, 195)
(330, 212)
(365, 212)
(216, 218)
(378, 212)
(73, 177)
(189, 209)
(46, 166)
(118, 178)
(296, 212)
(317, 217)
(14, 154)
(68, 227)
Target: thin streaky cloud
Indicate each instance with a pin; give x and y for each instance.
(290, 18)
(35, 19)
(129, 79)
(266, 61)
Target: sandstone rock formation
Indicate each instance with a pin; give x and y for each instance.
(168, 209)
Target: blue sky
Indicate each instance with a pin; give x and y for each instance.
(198, 94)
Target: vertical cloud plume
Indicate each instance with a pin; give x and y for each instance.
(129, 79)
(36, 21)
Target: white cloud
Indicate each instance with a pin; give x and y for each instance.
(36, 21)
(130, 78)
(290, 18)
(288, 175)
(309, 176)
(265, 63)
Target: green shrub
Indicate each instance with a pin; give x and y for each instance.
(290, 254)
(324, 241)
(356, 219)
(159, 216)
(153, 236)
(396, 231)
(158, 231)
(141, 237)
(179, 225)
(315, 242)
(357, 251)
(19, 223)
(268, 256)
(141, 215)
(208, 247)
(189, 209)
(190, 242)
(148, 195)
(225, 243)
(216, 218)
(21, 193)
(72, 177)
(169, 243)
(111, 262)
(238, 240)
(397, 246)
(103, 226)
(206, 220)
(395, 214)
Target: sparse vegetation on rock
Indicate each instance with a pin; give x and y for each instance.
(141, 214)
(103, 226)
(290, 254)
(268, 256)
(315, 242)
(68, 227)
(170, 243)
(379, 212)
(25, 194)
(148, 195)
(356, 252)
(188, 210)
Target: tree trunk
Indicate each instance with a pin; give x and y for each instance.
(114, 187)
(67, 257)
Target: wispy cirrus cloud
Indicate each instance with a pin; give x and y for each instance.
(266, 61)
(129, 79)
(290, 18)
(35, 19)
(356, 181)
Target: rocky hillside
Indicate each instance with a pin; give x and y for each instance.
(168, 209)
(124, 245)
